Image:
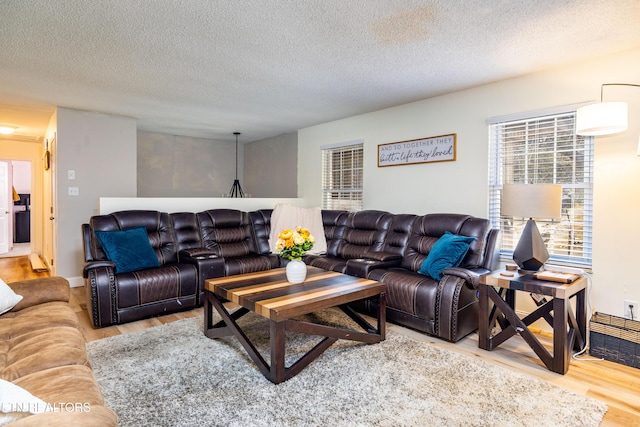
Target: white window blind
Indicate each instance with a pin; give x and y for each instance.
(342, 177)
(545, 149)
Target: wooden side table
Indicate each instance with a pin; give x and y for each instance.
(569, 330)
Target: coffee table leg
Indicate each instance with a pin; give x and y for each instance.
(277, 338)
(221, 328)
(208, 312)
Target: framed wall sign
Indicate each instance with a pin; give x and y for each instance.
(425, 150)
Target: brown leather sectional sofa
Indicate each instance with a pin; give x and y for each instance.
(192, 247)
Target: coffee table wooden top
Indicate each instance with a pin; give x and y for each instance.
(268, 293)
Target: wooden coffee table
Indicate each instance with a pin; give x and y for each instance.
(268, 294)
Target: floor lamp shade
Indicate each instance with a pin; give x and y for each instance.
(604, 118)
(531, 201)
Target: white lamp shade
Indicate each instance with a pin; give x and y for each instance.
(531, 200)
(605, 118)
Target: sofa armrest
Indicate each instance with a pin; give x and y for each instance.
(208, 264)
(198, 253)
(471, 276)
(40, 291)
(361, 267)
(96, 264)
(382, 256)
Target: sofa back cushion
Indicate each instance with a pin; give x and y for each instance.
(333, 222)
(157, 224)
(364, 231)
(187, 231)
(261, 223)
(227, 232)
(398, 234)
(427, 229)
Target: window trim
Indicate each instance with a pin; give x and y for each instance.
(529, 115)
(496, 177)
(355, 203)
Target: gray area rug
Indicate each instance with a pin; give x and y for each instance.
(172, 375)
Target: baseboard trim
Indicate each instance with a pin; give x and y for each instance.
(75, 282)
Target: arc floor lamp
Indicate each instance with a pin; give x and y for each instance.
(603, 118)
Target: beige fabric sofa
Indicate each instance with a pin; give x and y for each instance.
(43, 351)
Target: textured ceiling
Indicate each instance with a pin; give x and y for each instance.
(206, 68)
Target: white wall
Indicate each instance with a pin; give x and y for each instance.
(181, 166)
(461, 186)
(101, 149)
(271, 167)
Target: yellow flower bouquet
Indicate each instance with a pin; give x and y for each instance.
(292, 244)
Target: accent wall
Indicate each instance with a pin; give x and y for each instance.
(462, 186)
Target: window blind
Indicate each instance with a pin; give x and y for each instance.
(342, 177)
(545, 149)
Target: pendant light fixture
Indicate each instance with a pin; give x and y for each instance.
(236, 188)
(603, 118)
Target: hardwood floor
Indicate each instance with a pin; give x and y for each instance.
(614, 384)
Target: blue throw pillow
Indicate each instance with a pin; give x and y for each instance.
(129, 249)
(448, 251)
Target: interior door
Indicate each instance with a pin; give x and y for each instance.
(5, 208)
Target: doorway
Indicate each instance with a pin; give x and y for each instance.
(17, 188)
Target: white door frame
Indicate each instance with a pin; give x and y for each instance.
(49, 222)
(6, 207)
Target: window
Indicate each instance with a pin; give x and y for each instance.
(342, 176)
(545, 149)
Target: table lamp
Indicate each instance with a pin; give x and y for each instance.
(531, 201)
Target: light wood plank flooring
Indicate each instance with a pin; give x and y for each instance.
(616, 385)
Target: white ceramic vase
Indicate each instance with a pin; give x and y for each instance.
(296, 271)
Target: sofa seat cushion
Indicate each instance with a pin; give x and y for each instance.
(156, 284)
(250, 264)
(37, 317)
(409, 292)
(42, 349)
(72, 383)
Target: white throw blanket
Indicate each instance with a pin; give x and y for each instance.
(286, 216)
